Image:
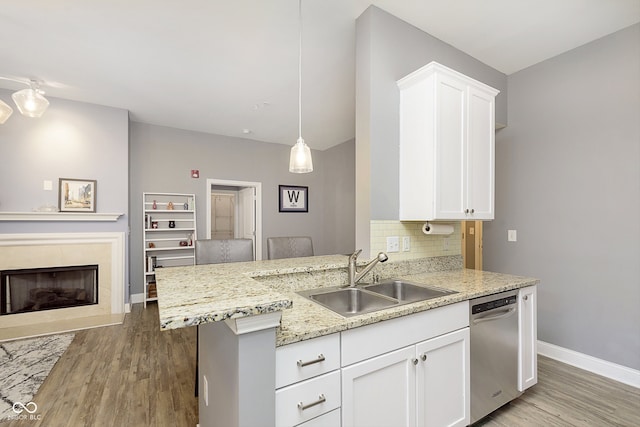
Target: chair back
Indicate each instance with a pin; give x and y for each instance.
(217, 251)
(289, 247)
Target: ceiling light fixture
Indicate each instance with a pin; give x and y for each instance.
(30, 102)
(300, 160)
(5, 111)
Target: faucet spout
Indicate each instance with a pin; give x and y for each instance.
(354, 275)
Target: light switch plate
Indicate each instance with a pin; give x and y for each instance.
(47, 185)
(406, 243)
(512, 235)
(393, 244)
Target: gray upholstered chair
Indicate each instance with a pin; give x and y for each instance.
(289, 247)
(218, 251)
(214, 251)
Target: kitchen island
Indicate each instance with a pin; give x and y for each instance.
(249, 312)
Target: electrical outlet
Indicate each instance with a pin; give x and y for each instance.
(406, 243)
(512, 236)
(205, 391)
(445, 243)
(393, 244)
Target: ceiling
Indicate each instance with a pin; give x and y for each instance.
(229, 67)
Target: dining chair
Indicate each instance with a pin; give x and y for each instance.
(289, 247)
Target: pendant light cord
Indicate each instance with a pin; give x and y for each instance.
(300, 70)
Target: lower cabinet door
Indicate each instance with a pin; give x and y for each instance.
(443, 388)
(380, 391)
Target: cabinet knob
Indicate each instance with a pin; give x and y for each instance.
(414, 361)
(472, 210)
(423, 357)
(526, 297)
(466, 211)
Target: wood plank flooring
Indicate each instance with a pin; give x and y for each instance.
(135, 375)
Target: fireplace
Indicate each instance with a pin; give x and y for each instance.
(36, 289)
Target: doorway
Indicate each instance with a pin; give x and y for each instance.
(472, 244)
(234, 211)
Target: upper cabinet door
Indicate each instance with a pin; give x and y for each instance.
(447, 145)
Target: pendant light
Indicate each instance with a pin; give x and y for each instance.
(5, 112)
(30, 102)
(300, 160)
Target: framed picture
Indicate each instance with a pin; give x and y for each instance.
(293, 198)
(77, 195)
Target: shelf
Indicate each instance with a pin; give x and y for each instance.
(168, 249)
(59, 216)
(155, 230)
(168, 210)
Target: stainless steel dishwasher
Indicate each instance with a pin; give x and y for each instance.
(494, 352)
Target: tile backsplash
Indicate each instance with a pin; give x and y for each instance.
(422, 245)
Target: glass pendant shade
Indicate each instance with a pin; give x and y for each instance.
(300, 160)
(30, 102)
(5, 112)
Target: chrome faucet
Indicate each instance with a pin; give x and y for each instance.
(354, 275)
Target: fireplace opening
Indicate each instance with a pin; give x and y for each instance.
(37, 289)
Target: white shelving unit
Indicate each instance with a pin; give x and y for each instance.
(169, 224)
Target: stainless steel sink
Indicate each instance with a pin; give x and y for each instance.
(368, 298)
(349, 301)
(407, 291)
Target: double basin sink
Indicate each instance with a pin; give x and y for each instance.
(352, 301)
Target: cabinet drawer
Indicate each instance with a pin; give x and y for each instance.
(307, 359)
(303, 401)
(330, 419)
(363, 343)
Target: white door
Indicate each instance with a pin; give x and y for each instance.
(247, 215)
(223, 215)
(450, 145)
(480, 155)
(380, 392)
(443, 387)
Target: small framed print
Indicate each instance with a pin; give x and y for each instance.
(293, 198)
(77, 195)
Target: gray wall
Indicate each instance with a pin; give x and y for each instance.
(568, 176)
(162, 158)
(71, 140)
(388, 49)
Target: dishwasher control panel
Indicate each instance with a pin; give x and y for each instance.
(490, 305)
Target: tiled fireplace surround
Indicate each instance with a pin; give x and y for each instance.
(37, 250)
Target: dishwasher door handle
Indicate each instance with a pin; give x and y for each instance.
(500, 315)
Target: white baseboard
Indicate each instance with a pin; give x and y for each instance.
(136, 298)
(607, 369)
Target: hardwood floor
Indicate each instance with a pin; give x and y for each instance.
(135, 375)
(568, 396)
(127, 375)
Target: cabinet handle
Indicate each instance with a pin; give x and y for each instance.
(466, 211)
(321, 399)
(320, 358)
(473, 210)
(526, 297)
(423, 357)
(414, 361)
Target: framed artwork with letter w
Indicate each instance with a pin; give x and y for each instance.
(293, 198)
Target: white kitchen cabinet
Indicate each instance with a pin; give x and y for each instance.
(424, 385)
(408, 371)
(447, 146)
(527, 338)
(380, 391)
(443, 385)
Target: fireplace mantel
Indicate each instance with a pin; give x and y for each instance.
(59, 216)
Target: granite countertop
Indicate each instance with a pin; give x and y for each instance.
(192, 295)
